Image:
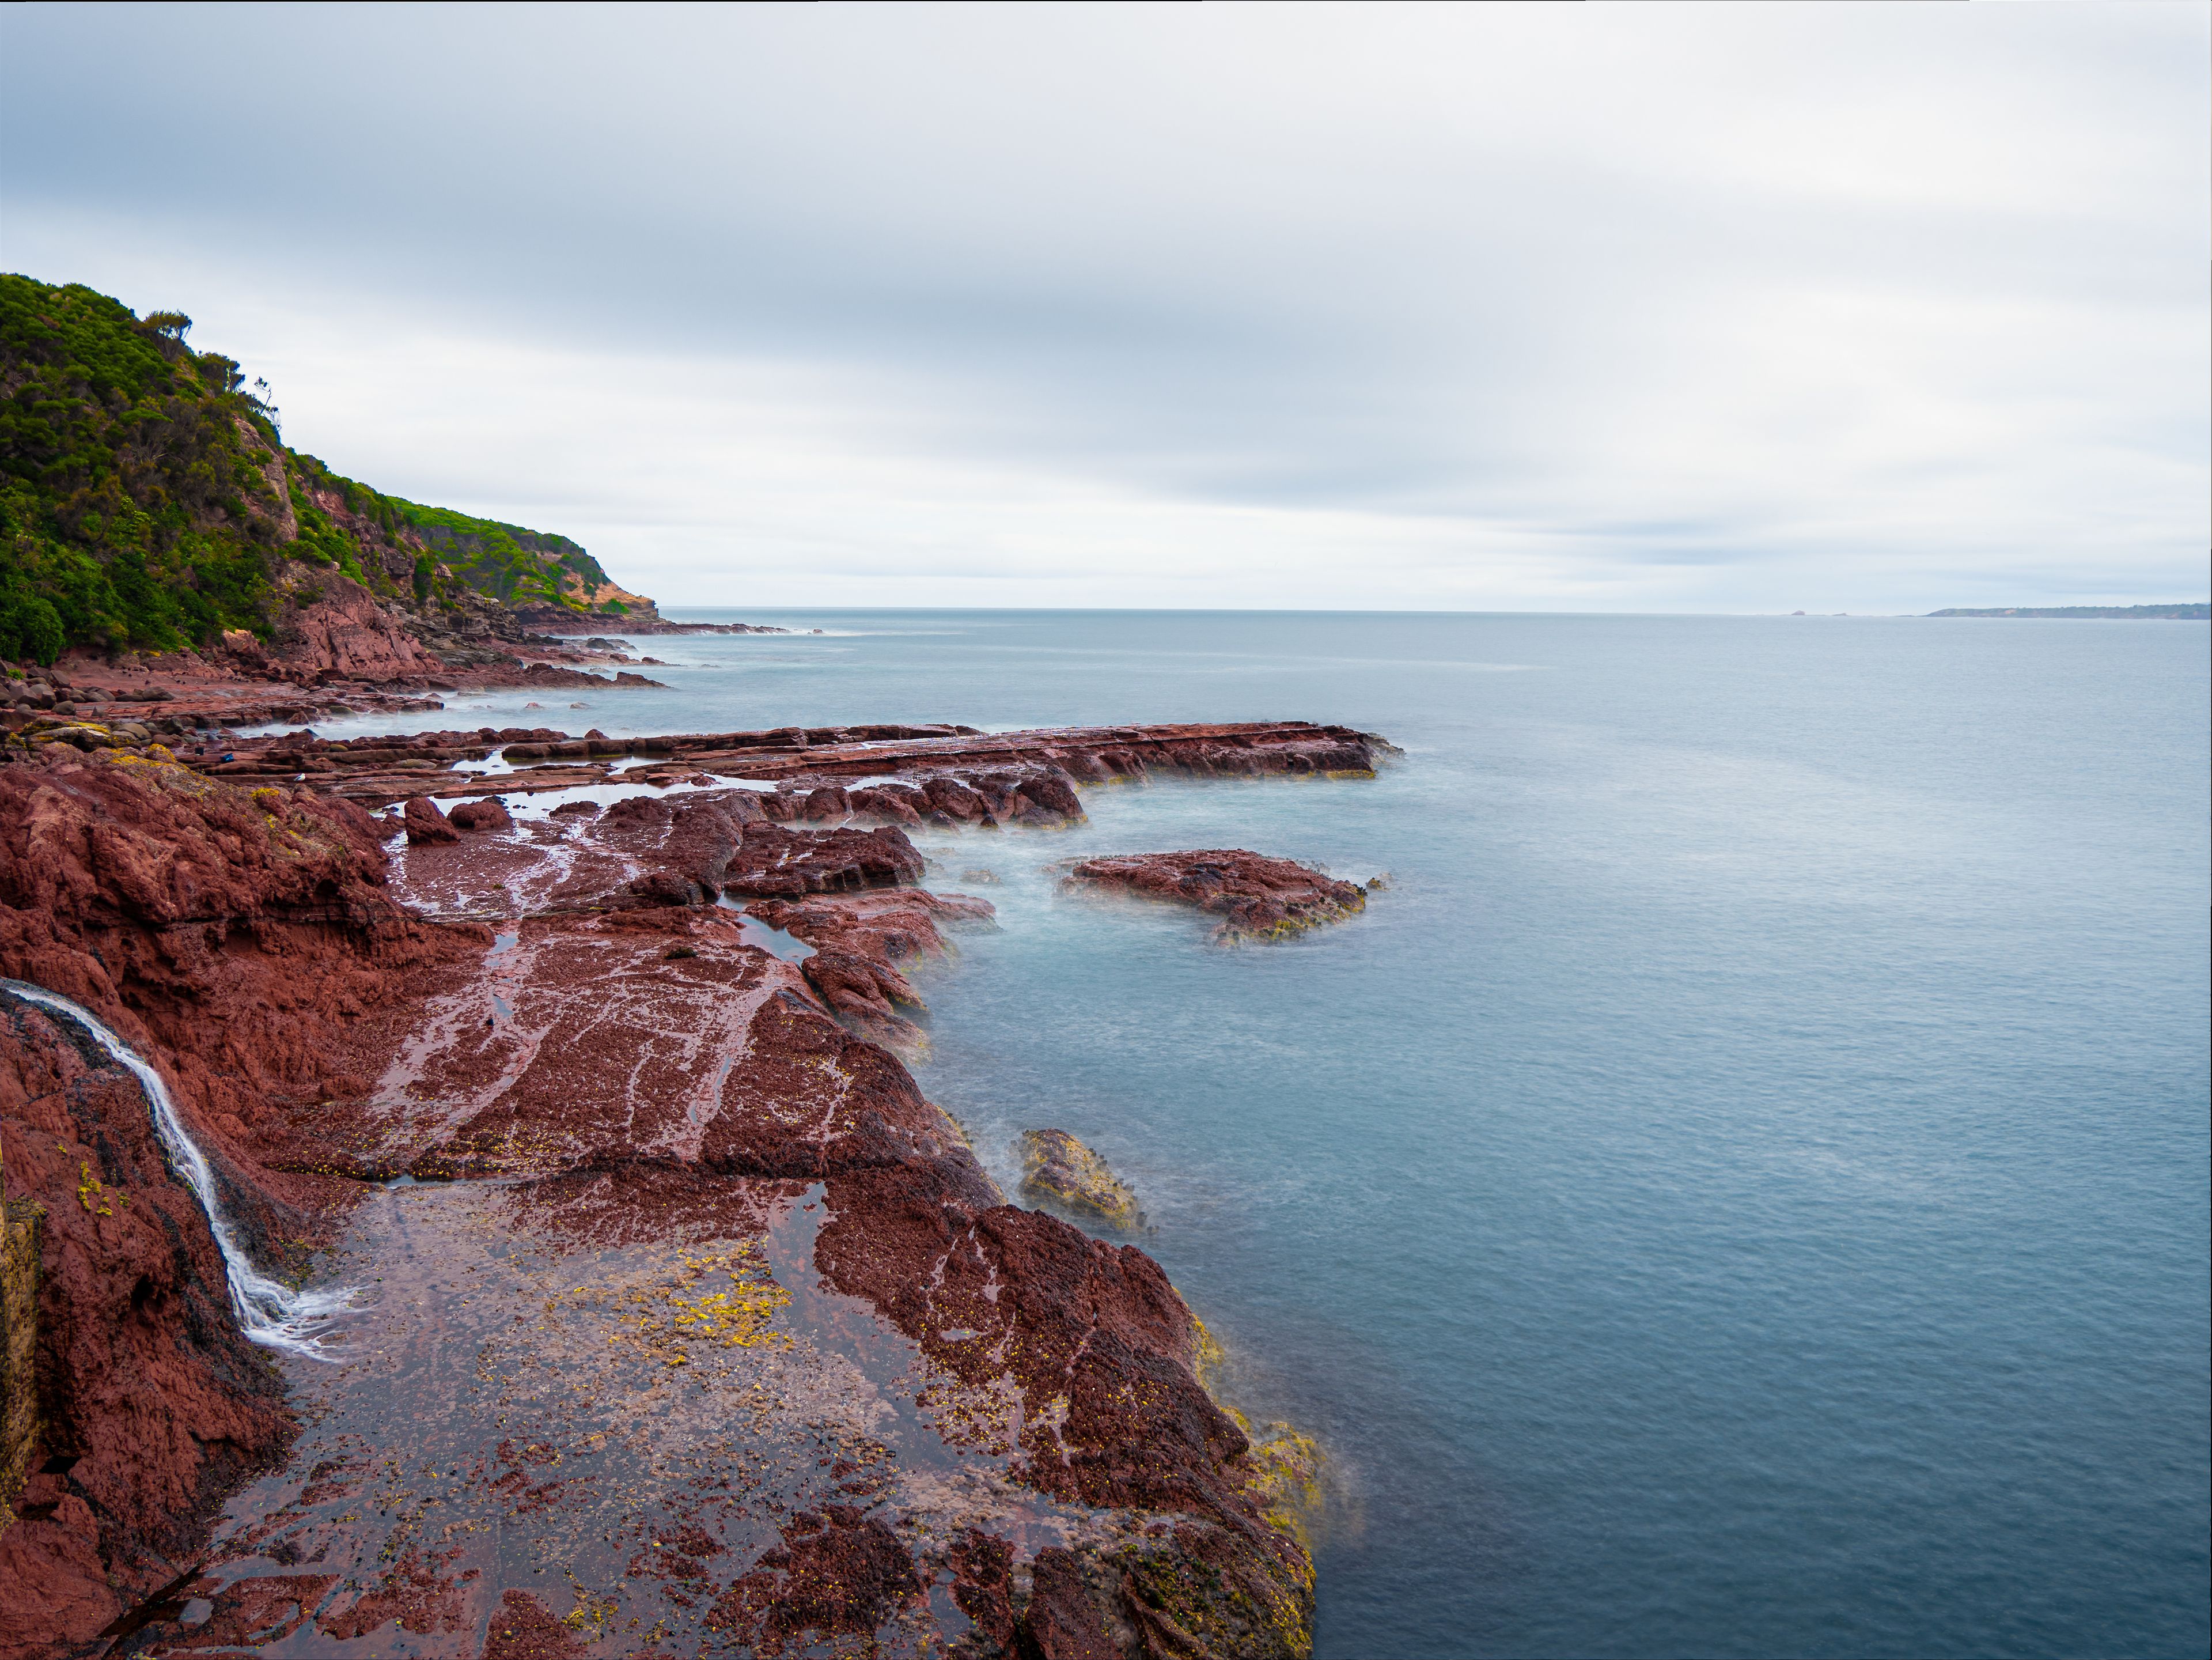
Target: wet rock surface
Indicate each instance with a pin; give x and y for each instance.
(1255, 897)
(685, 1322)
(1060, 1171)
(860, 942)
(244, 938)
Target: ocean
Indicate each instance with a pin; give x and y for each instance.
(1741, 1186)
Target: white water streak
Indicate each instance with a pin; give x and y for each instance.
(268, 1313)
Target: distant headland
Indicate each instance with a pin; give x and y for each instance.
(2195, 613)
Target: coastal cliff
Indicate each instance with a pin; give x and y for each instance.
(148, 504)
(692, 1324)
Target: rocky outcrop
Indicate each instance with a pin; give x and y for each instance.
(488, 814)
(772, 862)
(335, 626)
(1255, 897)
(1059, 1172)
(152, 1404)
(426, 824)
(861, 942)
(21, 1229)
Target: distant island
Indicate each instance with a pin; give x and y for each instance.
(2195, 613)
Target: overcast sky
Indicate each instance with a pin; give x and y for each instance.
(1725, 307)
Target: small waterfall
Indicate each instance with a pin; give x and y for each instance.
(267, 1312)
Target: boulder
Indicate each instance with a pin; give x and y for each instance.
(488, 814)
(1060, 1171)
(426, 824)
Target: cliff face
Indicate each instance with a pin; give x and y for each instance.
(146, 502)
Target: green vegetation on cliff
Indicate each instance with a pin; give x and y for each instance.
(515, 566)
(148, 501)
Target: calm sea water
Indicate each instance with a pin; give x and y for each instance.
(1741, 1190)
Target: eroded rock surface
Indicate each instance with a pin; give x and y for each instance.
(860, 942)
(1255, 897)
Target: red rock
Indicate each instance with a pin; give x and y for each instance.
(1256, 897)
(411, 1590)
(663, 887)
(867, 992)
(836, 1574)
(882, 802)
(245, 943)
(829, 803)
(346, 632)
(490, 814)
(255, 1613)
(54, 1585)
(956, 800)
(860, 940)
(426, 824)
(774, 862)
(523, 1629)
(1063, 1620)
(641, 1074)
(982, 1565)
(1026, 777)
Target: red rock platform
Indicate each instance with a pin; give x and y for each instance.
(686, 1323)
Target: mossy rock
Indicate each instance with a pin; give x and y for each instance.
(1060, 1172)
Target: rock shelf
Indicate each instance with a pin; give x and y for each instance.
(689, 1324)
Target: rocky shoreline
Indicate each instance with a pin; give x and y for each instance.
(685, 1323)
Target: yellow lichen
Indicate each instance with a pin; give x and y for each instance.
(1285, 1466)
(1285, 1479)
(664, 1319)
(89, 1193)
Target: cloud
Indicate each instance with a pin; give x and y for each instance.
(1651, 308)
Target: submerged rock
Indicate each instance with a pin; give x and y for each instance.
(1282, 1464)
(1060, 1170)
(1256, 897)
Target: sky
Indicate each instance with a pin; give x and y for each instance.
(1635, 307)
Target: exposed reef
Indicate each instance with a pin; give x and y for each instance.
(890, 774)
(692, 1324)
(1058, 1170)
(1255, 897)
